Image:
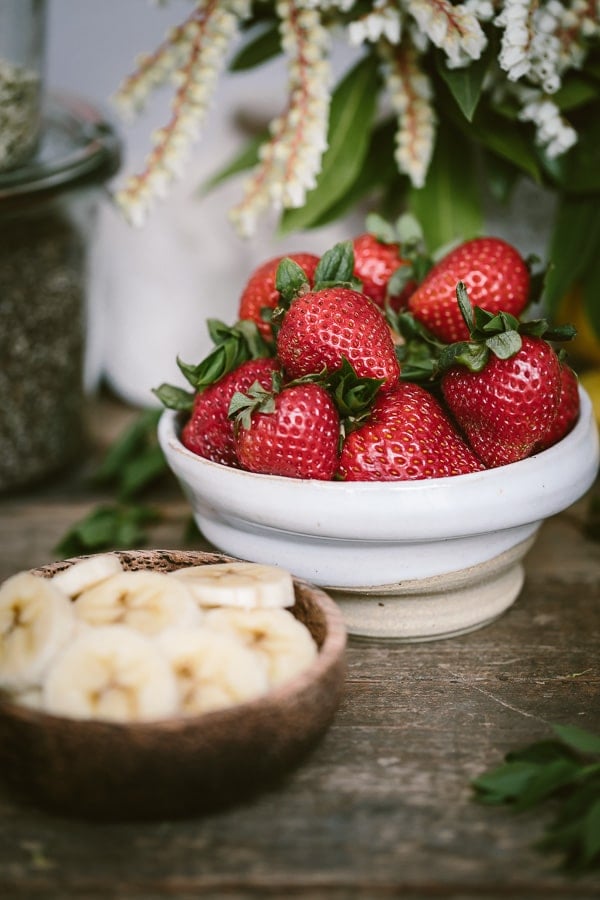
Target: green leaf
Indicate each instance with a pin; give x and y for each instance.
(144, 470)
(174, 397)
(575, 91)
(351, 113)
(578, 170)
(125, 449)
(290, 280)
(245, 159)
(591, 832)
(236, 344)
(505, 344)
(449, 205)
(507, 140)
(378, 169)
(500, 175)
(381, 229)
(465, 306)
(107, 527)
(504, 783)
(591, 290)
(574, 245)
(578, 738)
(473, 356)
(336, 265)
(353, 396)
(465, 84)
(258, 49)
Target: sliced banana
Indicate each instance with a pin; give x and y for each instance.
(111, 673)
(213, 670)
(32, 698)
(36, 621)
(86, 573)
(146, 601)
(284, 644)
(239, 584)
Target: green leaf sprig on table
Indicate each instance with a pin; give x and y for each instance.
(131, 465)
(563, 774)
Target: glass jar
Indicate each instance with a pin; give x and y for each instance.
(48, 210)
(22, 42)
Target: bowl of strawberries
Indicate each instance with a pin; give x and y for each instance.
(391, 429)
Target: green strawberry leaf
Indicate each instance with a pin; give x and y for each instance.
(399, 280)
(353, 396)
(174, 397)
(235, 344)
(290, 280)
(410, 234)
(472, 355)
(465, 305)
(336, 266)
(256, 399)
(505, 345)
(381, 229)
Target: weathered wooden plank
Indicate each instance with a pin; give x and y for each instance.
(383, 807)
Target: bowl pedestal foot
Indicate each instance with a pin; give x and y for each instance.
(433, 608)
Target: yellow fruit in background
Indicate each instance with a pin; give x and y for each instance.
(586, 346)
(590, 380)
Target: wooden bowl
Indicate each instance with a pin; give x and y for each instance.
(180, 766)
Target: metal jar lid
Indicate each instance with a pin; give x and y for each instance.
(78, 146)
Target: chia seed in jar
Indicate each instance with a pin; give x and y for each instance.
(47, 214)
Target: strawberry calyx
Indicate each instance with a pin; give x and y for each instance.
(234, 345)
(256, 399)
(335, 269)
(420, 350)
(352, 395)
(407, 235)
(497, 333)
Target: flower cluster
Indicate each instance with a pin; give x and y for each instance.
(290, 160)
(192, 58)
(418, 46)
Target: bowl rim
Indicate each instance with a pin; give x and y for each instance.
(330, 653)
(523, 492)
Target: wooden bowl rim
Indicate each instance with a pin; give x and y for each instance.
(330, 654)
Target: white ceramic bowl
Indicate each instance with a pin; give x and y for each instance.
(409, 560)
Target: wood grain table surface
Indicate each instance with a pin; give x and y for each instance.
(383, 806)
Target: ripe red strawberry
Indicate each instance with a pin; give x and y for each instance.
(407, 437)
(374, 264)
(296, 436)
(568, 409)
(260, 291)
(323, 327)
(209, 432)
(509, 407)
(496, 278)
